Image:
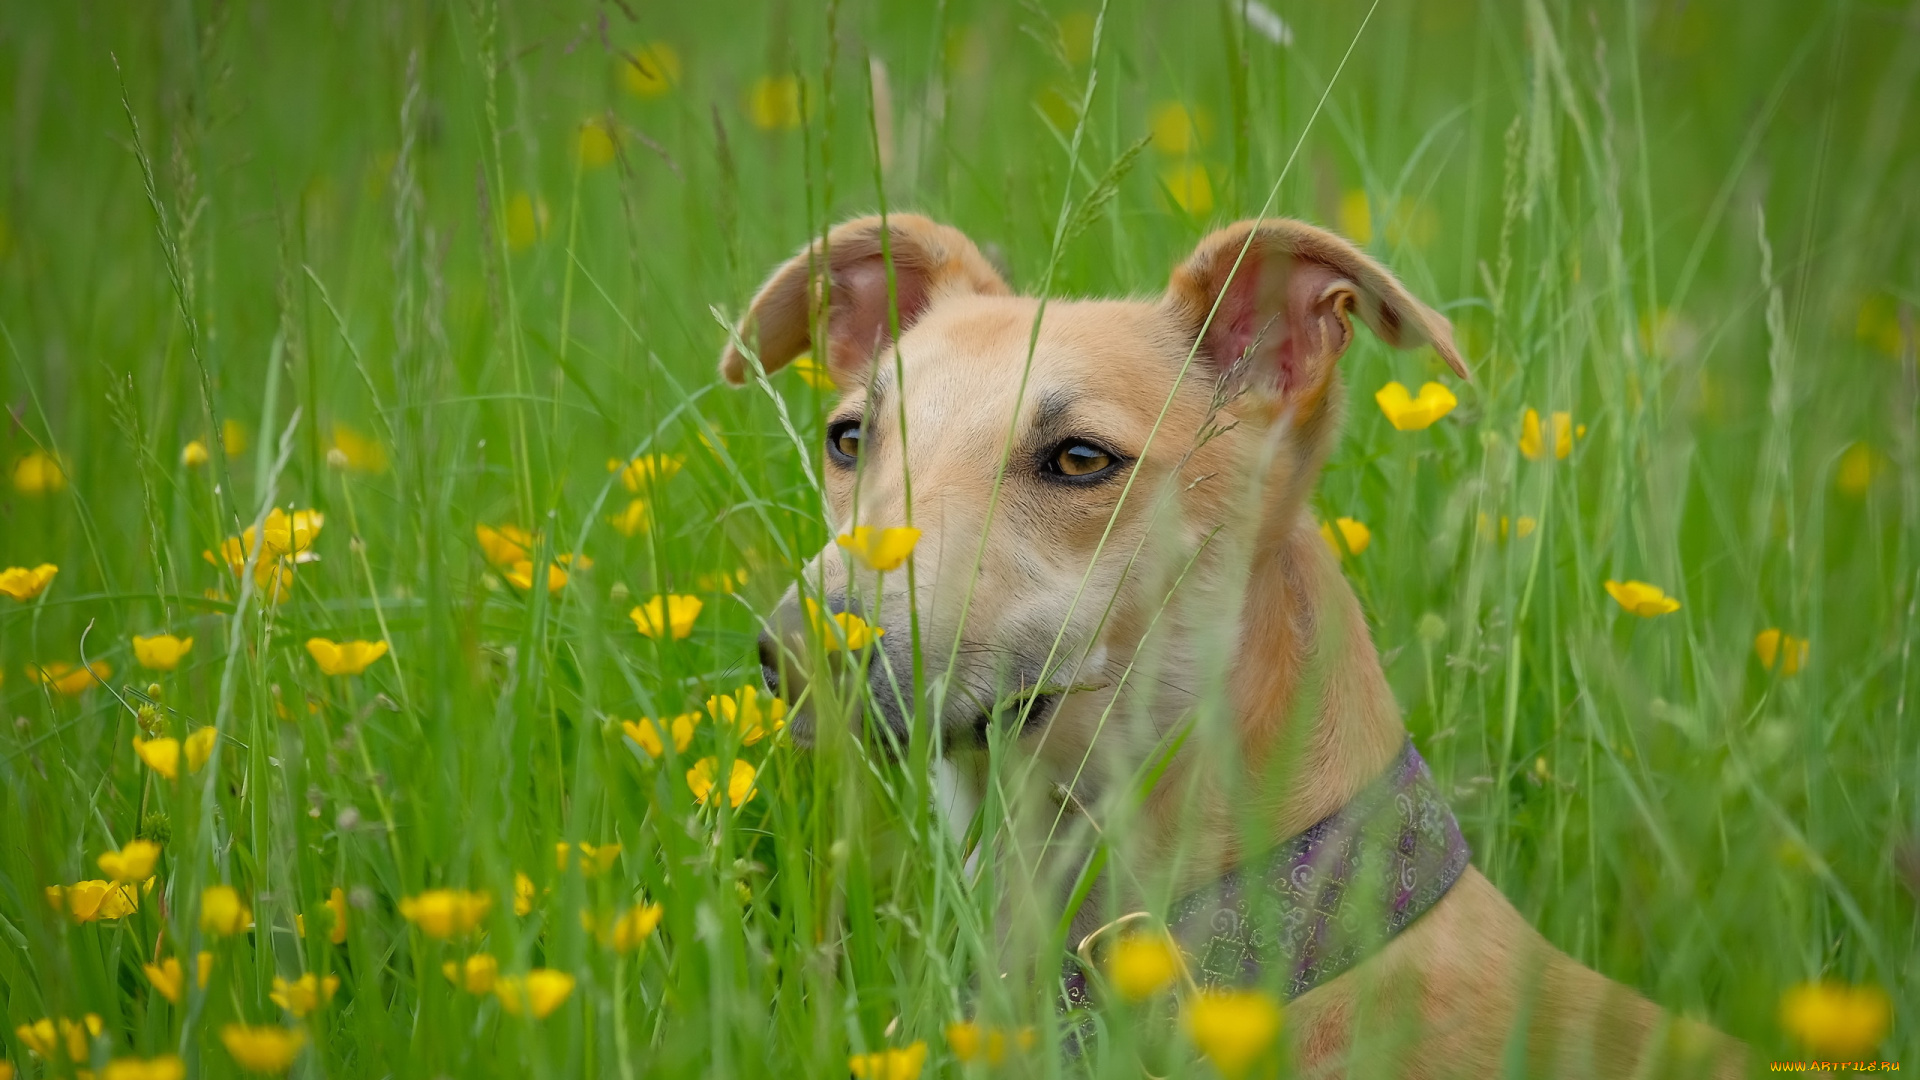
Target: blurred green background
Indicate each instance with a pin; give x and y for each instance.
(476, 252)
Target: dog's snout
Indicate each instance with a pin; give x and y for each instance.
(770, 664)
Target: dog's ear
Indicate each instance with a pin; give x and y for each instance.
(847, 277)
(1283, 313)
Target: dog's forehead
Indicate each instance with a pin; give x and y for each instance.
(972, 352)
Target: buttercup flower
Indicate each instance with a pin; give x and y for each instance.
(650, 70)
(22, 584)
(1408, 413)
(164, 1067)
(443, 913)
(1520, 527)
(167, 978)
(264, 1049)
(594, 143)
(94, 900)
(133, 863)
(1858, 466)
(845, 630)
(1642, 599)
(593, 860)
(1190, 188)
(346, 657)
(742, 711)
(1178, 130)
(631, 520)
(305, 994)
(65, 678)
(665, 615)
(51, 1036)
(222, 911)
(725, 581)
(537, 993)
(1835, 1019)
(337, 904)
(161, 652)
(475, 974)
(520, 576)
(646, 471)
(1532, 439)
(903, 1063)
(505, 545)
(233, 437)
(1142, 965)
(527, 219)
(291, 534)
(160, 755)
(1789, 653)
(1356, 535)
(361, 453)
(811, 372)
(1234, 1029)
(739, 783)
(773, 103)
(199, 747)
(879, 549)
(972, 1042)
(634, 927)
(39, 473)
(194, 454)
(522, 893)
(646, 733)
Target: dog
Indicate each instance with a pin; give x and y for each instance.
(1113, 504)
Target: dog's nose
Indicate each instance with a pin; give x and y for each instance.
(770, 666)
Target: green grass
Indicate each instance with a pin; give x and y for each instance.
(1690, 224)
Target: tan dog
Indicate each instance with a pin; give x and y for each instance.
(1118, 528)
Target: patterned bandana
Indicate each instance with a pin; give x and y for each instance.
(1318, 903)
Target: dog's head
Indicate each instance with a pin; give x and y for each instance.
(1068, 464)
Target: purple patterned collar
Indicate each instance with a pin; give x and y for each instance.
(1323, 899)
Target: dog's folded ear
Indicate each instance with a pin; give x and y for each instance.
(843, 283)
(1280, 312)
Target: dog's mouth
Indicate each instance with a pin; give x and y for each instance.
(1022, 713)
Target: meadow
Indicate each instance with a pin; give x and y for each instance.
(379, 689)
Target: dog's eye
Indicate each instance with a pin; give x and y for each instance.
(843, 441)
(1078, 459)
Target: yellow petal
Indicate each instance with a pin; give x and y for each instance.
(1234, 1028)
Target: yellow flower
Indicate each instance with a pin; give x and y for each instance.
(291, 534)
(133, 863)
(233, 437)
(845, 630)
(337, 904)
(1177, 130)
(504, 546)
(194, 454)
(593, 860)
(161, 652)
(1405, 220)
(1142, 965)
(1642, 599)
(203, 969)
(1533, 439)
(634, 927)
(1408, 413)
(1837, 1019)
(667, 614)
(1520, 527)
(167, 978)
(650, 70)
(972, 1042)
(443, 913)
(1356, 535)
(522, 893)
(725, 581)
(1076, 36)
(539, 992)
(1233, 1028)
(199, 747)
(521, 576)
(646, 733)
(740, 786)
(1189, 186)
(164, 1067)
(594, 145)
(160, 755)
(1858, 466)
(222, 911)
(1356, 217)
(647, 470)
(263, 1049)
(346, 657)
(48, 1036)
(631, 521)
(65, 678)
(23, 584)
(741, 711)
(879, 549)
(305, 994)
(94, 900)
(773, 103)
(361, 453)
(903, 1063)
(475, 974)
(39, 473)
(527, 219)
(1878, 323)
(272, 576)
(811, 372)
(1789, 652)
